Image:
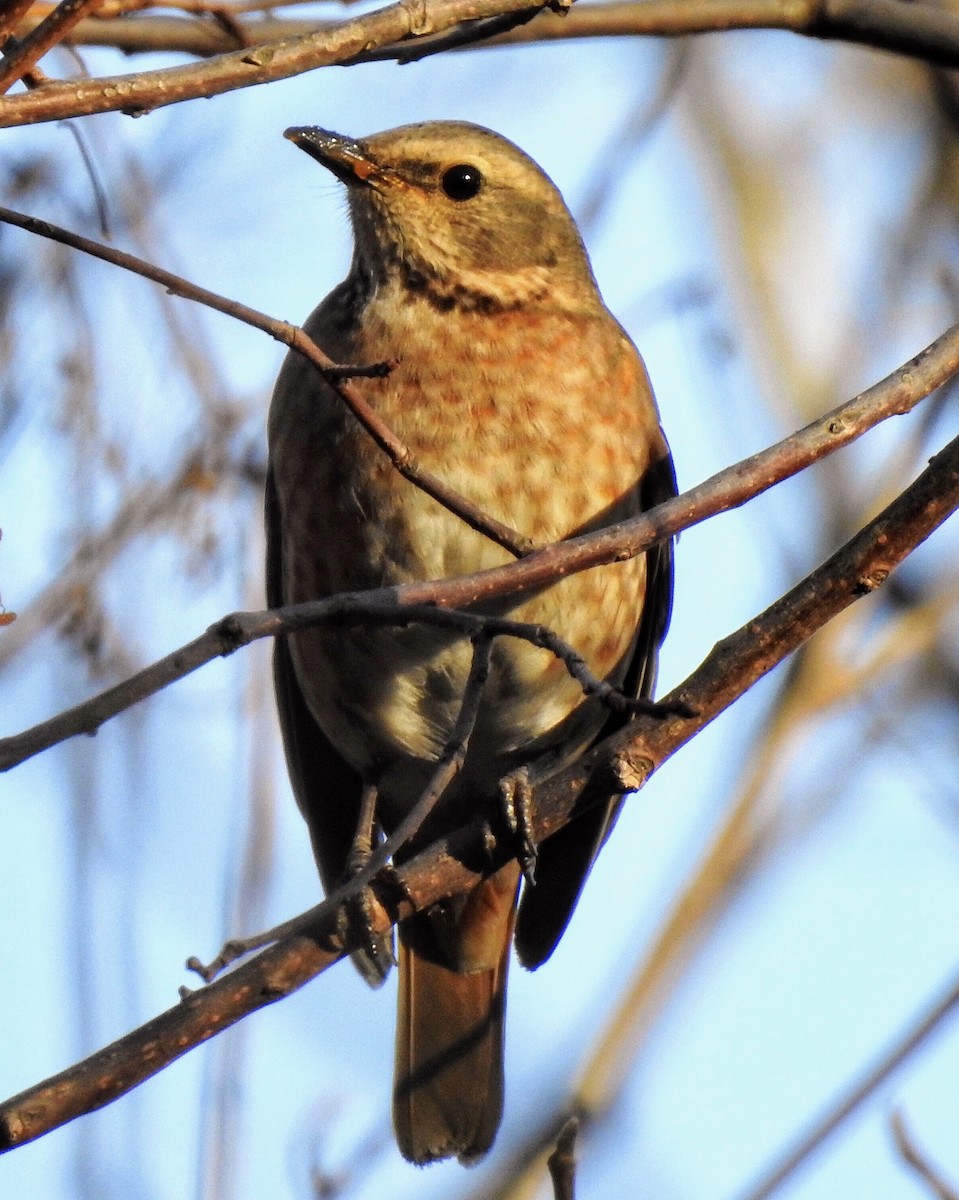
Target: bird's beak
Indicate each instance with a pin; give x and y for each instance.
(346, 158)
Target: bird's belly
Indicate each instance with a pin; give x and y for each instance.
(388, 697)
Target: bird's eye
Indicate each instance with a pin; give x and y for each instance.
(462, 182)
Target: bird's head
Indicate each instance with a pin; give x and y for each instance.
(456, 209)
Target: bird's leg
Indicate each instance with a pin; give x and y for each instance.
(376, 957)
(516, 798)
(516, 803)
(362, 849)
(368, 861)
(451, 759)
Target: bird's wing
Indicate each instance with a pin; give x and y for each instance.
(565, 859)
(326, 787)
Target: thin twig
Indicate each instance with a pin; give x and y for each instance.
(346, 41)
(282, 49)
(454, 865)
(917, 1033)
(450, 761)
(447, 766)
(896, 394)
(562, 1162)
(27, 52)
(914, 1158)
(473, 33)
(240, 629)
(294, 337)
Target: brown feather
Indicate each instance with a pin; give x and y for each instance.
(448, 1084)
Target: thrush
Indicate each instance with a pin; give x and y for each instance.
(514, 384)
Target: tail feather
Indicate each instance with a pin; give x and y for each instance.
(448, 1089)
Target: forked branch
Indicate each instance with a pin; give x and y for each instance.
(897, 394)
(456, 864)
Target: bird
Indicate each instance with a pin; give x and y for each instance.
(511, 381)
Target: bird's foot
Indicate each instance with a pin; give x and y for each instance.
(356, 926)
(516, 798)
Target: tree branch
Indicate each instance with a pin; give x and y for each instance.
(13, 11)
(294, 337)
(278, 49)
(456, 864)
(916, 1035)
(917, 1162)
(898, 393)
(19, 57)
(344, 42)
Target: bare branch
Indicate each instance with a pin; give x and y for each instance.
(845, 1106)
(477, 33)
(277, 49)
(896, 394)
(294, 337)
(914, 30)
(13, 11)
(345, 42)
(456, 864)
(240, 629)
(914, 1158)
(447, 766)
(19, 58)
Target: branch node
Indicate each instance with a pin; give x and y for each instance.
(628, 772)
(262, 56)
(871, 582)
(231, 633)
(193, 964)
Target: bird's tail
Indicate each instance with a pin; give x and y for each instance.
(448, 1088)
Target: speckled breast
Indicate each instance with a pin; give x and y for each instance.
(545, 420)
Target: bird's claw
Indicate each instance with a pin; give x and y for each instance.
(356, 927)
(516, 796)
